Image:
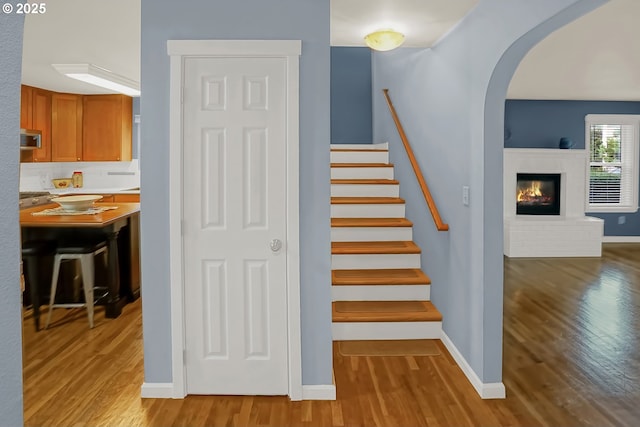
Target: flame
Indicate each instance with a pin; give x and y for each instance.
(533, 192)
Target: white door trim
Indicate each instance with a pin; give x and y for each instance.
(178, 51)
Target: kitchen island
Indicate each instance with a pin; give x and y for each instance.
(119, 226)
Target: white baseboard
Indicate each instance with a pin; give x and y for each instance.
(166, 391)
(621, 239)
(158, 391)
(319, 392)
(485, 390)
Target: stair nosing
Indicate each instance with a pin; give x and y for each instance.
(361, 165)
(374, 248)
(367, 201)
(364, 181)
(399, 222)
(432, 314)
(371, 277)
(356, 150)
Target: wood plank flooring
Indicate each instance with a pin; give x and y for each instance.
(571, 358)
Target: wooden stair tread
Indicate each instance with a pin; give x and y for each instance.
(366, 181)
(401, 276)
(370, 222)
(361, 165)
(366, 200)
(360, 150)
(385, 311)
(390, 247)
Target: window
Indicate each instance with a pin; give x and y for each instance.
(613, 162)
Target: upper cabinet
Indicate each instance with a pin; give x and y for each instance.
(77, 127)
(66, 127)
(106, 130)
(41, 116)
(35, 113)
(26, 117)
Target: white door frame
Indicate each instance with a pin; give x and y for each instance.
(179, 50)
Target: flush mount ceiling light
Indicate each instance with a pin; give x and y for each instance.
(97, 76)
(382, 40)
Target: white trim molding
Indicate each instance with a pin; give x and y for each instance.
(319, 392)
(179, 50)
(159, 391)
(621, 239)
(484, 390)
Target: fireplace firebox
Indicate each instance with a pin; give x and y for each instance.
(538, 194)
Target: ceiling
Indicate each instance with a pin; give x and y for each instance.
(422, 22)
(595, 57)
(105, 33)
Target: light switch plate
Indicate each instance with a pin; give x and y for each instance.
(465, 195)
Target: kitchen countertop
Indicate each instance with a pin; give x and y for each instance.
(87, 190)
(124, 210)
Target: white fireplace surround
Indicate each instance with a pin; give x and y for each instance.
(570, 234)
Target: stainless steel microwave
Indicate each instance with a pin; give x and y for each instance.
(30, 139)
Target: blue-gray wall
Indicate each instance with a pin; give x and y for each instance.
(351, 95)
(306, 20)
(541, 124)
(450, 99)
(10, 303)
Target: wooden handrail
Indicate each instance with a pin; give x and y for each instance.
(441, 226)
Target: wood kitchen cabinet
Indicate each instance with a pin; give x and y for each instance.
(126, 198)
(41, 116)
(35, 113)
(119, 198)
(106, 127)
(107, 198)
(77, 127)
(66, 127)
(26, 108)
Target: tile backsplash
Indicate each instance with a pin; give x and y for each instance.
(96, 175)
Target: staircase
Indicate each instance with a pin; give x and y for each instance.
(379, 291)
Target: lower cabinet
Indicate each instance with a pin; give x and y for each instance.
(126, 198)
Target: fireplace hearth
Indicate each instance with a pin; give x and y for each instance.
(538, 194)
(544, 232)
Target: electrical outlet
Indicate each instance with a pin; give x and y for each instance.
(465, 195)
(622, 219)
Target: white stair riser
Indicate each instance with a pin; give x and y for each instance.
(381, 293)
(371, 234)
(365, 190)
(368, 211)
(374, 261)
(343, 331)
(359, 157)
(380, 146)
(362, 173)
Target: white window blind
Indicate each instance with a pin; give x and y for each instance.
(612, 176)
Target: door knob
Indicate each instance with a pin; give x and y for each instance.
(275, 245)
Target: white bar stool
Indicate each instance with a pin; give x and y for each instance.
(85, 253)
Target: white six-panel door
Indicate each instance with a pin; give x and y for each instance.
(234, 225)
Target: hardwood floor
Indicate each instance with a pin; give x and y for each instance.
(571, 358)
